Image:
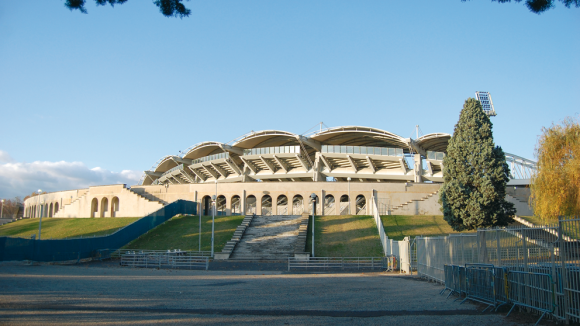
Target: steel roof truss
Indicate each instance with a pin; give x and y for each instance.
(249, 165)
(280, 163)
(198, 174)
(268, 164)
(219, 170)
(234, 167)
(326, 163)
(403, 166)
(210, 171)
(371, 165)
(351, 161)
(301, 161)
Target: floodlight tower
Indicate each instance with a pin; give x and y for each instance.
(486, 103)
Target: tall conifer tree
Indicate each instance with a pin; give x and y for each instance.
(475, 174)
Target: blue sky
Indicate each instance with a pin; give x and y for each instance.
(118, 88)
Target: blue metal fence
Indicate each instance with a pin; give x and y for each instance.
(71, 249)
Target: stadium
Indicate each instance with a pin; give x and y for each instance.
(275, 172)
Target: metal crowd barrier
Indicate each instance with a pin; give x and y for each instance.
(117, 253)
(455, 280)
(481, 285)
(497, 286)
(341, 263)
(532, 290)
(164, 260)
(390, 263)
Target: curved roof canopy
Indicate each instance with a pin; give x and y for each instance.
(267, 138)
(204, 149)
(165, 164)
(360, 136)
(434, 142)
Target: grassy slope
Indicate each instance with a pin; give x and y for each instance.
(181, 232)
(59, 228)
(398, 226)
(537, 220)
(345, 236)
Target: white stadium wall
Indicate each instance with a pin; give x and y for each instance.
(406, 173)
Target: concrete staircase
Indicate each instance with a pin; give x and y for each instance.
(230, 245)
(148, 196)
(300, 244)
(67, 210)
(412, 201)
(271, 238)
(522, 207)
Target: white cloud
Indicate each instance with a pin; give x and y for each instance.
(5, 158)
(21, 179)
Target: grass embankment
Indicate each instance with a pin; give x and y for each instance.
(398, 227)
(60, 228)
(537, 220)
(181, 232)
(344, 236)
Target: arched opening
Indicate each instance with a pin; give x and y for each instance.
(236, 205)
(50, 208)
(221, 205)
(94, 207)
(55, 208)
(361, 205)
(329, 207)
(297, 205)
(282, 205)
(266, 205)
(45, 211)
(316, 205)
(250, 205)
(115, 207)
(344, 206)
(206, 203)
(104, 207)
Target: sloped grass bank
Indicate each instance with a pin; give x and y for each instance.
(182, 232)
(345, 236)
(538, 220)
(398, 227)
(60, 228)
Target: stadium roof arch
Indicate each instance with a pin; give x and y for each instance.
(434, 142)
(210, 148)
(355, 152)
(360, 136)
(266, 138)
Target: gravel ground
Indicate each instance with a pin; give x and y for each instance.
(99, 294)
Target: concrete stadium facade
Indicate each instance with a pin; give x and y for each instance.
(275, 172)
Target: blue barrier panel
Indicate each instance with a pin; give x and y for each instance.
(71, 249)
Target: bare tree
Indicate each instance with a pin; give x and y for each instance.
(13, 208)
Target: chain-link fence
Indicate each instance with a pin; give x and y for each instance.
(82, 248)
(535, 267)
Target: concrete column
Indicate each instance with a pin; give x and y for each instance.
(418, 168)
(322, 195)
(259, 203)
(243, 202)
(196, 200)
(351, 203)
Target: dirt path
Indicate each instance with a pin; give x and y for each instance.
(97, 294)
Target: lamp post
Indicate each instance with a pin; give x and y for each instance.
(313, 197)
(215, 197)
(39, 222)
(349, 211)
(2, 209)
(200, 227)
(213, 222)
